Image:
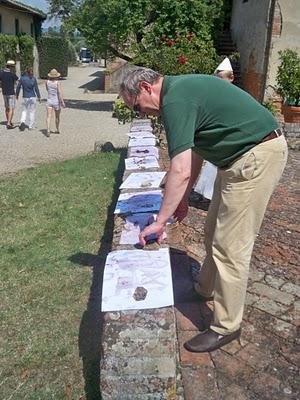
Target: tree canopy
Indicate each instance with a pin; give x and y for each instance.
(122, 28)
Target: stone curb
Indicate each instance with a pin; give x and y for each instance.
(139, 346)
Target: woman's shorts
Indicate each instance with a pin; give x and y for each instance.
(55, 106)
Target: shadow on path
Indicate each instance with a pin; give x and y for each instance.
(90, 331)
(95, 84)
(89, 105)
(186, 300)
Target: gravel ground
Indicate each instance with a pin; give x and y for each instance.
(87, 118)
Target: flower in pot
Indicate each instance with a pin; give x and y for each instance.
(288, 84)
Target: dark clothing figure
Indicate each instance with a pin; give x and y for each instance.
(8, 80)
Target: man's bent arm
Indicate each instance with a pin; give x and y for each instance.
(178, 180)
(197, 162)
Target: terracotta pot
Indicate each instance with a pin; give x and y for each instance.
(291, 113)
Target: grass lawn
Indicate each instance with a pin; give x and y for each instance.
(53, 219)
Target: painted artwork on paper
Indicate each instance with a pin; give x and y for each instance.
(141, 142)
(134, 224)
(141, 163)
(143, 151)
(139, 202)
(143, 180)
(127, 270)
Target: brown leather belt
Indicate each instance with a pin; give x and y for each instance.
(272, 135)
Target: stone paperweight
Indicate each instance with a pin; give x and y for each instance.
(140, 293)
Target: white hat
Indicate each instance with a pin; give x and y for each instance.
(53, 73)
(10, 63)
(224, 66)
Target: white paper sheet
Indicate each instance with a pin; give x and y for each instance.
(143, 180)
(141, 163)
(143, 151)
(206, 180)
(139, 202)
(141, 122)
(141, 128)
(134, 224)
(125, 270)
(141, 134)
(141, 142)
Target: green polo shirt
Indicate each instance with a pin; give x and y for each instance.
(213, 117)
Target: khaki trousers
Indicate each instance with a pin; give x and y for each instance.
(241, 194)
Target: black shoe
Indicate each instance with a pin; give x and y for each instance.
(210, 341)
(22, 126)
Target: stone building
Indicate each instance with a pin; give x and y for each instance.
(260, 28)
(17, 18)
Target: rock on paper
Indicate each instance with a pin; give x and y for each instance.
(143, 180)
(143, 151)
(125, 270)
(141, 163)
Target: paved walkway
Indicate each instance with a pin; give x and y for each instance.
(86, 119)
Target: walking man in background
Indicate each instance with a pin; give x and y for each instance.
(207, 118)
(8, 79)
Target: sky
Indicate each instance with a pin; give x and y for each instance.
(42, 5)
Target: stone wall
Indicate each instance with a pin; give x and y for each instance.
(285, 34)
(292, 134)
(139, 357)
(249, 27)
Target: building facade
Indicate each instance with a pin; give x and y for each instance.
(18, 19)
(260, 29)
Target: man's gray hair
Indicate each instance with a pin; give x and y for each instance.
(131, 81)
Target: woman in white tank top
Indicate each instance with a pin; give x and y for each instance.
(54, 99)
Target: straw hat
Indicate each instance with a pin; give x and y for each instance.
(10, 63)
(224, 66)
(53, 73)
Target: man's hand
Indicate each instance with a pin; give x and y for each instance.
(155, 228)
(182, 210)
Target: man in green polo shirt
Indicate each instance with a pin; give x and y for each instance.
(206, 118)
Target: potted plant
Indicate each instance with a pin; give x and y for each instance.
(288, 84)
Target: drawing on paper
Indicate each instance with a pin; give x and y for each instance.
(143, 151)
(139, 202)
(134, 224)
(141, 142)
(126, 270)
(141, 163)
(139, 180)
(141, 134)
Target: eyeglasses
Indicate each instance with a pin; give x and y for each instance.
(136, 107)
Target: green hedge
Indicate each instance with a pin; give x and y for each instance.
(53, 53)
(26, 44)
(8, 48)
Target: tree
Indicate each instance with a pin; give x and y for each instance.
(121, 28)
(63, 8)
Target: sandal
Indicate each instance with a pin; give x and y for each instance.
(48, 133)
